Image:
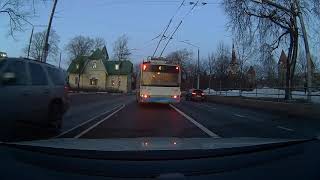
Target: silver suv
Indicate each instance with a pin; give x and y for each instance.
(33, 92)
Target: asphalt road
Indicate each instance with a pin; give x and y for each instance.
(97, 116)
(106, 116)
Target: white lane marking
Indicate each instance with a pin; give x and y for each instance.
(284, 128)
(204, 105)
(96, 124)
(210, 133)
(239, 115)
(91, 119)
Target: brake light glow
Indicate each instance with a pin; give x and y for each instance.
(193, 93)
(144, 67)
(144, 96)
(177, 68)
(66, 89)
(175, 97)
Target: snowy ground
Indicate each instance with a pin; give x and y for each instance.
(266, 93)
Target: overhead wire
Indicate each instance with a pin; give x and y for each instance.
(176, 29)
(167, 27)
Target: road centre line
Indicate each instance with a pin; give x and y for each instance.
(96, 124)
(91, 119)
(284, 128)
(200, 126)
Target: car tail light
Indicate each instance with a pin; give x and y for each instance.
(144, 96)
(177, 68)
(66, 89)
(193, 93)
(202, 94)
(175, 97)
(144, 67)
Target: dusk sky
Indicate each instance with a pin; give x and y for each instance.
(140, 20)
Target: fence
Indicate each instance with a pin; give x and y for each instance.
(278, 94)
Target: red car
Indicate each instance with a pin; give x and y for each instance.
(195, 95)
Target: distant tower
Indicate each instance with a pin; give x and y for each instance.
(234, 65)
(251, 77)
(282, 68)
(105, 53)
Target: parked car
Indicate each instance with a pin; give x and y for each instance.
(32, 91)
(195, 95)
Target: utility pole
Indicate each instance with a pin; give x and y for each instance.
(79, 75)
(198, 75)
(46, 44)
(60, 61)
(30, 41)
(307, 49)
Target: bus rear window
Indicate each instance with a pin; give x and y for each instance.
(160, 68)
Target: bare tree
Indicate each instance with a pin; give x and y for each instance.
(99, 43)
(18, 13)
(222, 61)
(37, 44)
(268, 63)
(120, 48)
(83, 46)
(244, 53)
(183, 58)
(79, 46)
(274, 22)
(211, 62)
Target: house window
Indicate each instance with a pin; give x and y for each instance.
(94, 65)
(93, 81)
(116, 67)
(76, 80)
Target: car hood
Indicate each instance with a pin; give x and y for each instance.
(154, 144)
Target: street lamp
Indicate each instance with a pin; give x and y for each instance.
(198, 75)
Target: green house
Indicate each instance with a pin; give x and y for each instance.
(97, 72)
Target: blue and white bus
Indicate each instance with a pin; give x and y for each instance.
(159, 82)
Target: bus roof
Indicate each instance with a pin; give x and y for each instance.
(159, 62)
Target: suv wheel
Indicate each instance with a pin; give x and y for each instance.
(55, 116)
